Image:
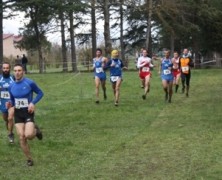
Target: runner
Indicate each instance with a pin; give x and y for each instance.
(116, 66)
(176, 70)
(144, 64)
(21, 92)
(185, 64)
(167, 76)
(100, 76)
(138, 55)
(7, 114)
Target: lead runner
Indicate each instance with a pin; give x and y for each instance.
(144, 64)
(21, 95)
(100, 76)
(115, 65)
(167, 76)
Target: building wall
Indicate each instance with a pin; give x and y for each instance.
(9, 49)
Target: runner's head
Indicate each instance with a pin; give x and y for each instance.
(167, 54)
(185, 51)
(6, 70)
(141, 50)
(18, 72)
(98, 52)
(145, 53)
(175, 54)
(114, 54)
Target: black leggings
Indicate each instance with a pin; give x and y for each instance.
(185, 78)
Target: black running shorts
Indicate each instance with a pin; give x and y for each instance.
(23, 116)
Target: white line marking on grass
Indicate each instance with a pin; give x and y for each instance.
(65, 82)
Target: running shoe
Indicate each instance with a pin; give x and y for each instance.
(30, 162)
(176, 88)
(97, 102)
(116, 103)
(183, 89)
(144, 97)
(11, 138)
(187, 95)
(166, 96)
(105, 97)
(38, 133)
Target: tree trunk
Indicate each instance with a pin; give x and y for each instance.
(121, 34)
(64, 48)
(149, 13)
(72, 40)
(1, 34)
(41, 65)
(172, 46)
(108, 44)
(93, 21)
(39, 45)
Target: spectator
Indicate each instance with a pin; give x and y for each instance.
(24, 63)
(18, 60)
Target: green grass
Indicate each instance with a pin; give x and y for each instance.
(138, 140)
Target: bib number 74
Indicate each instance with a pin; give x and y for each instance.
(21, 103)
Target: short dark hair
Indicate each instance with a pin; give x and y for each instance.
(98, 49)
(19, 65)
(6, 63)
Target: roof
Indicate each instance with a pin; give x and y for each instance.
(16, 38)
(5, 36)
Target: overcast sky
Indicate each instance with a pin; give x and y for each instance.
(12, 26)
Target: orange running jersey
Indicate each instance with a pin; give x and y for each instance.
(184, 64)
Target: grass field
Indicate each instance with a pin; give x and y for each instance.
(139, 139)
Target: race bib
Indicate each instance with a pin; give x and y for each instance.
(145, 69)
(99, 70)
(114, 78)
(5, 95)
(21, 103)
(166, 71)
(185, 68)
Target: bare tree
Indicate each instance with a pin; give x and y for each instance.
(1, 33)
(93, 21)
(149, 17)
(108, 43)
(72, 40)
(63, 41)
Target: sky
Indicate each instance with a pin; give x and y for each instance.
(12, 25)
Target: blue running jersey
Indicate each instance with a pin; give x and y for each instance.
(4, 90)
(117, 69)
(98, 69)
(166, 73)
(22, 93)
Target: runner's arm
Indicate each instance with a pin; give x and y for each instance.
(104, 60)
(122, 65)
(38, 91)
(191, 64)
(107, 65)
(11, 102)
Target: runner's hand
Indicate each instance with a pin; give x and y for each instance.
(8, 105)
(31, 108)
